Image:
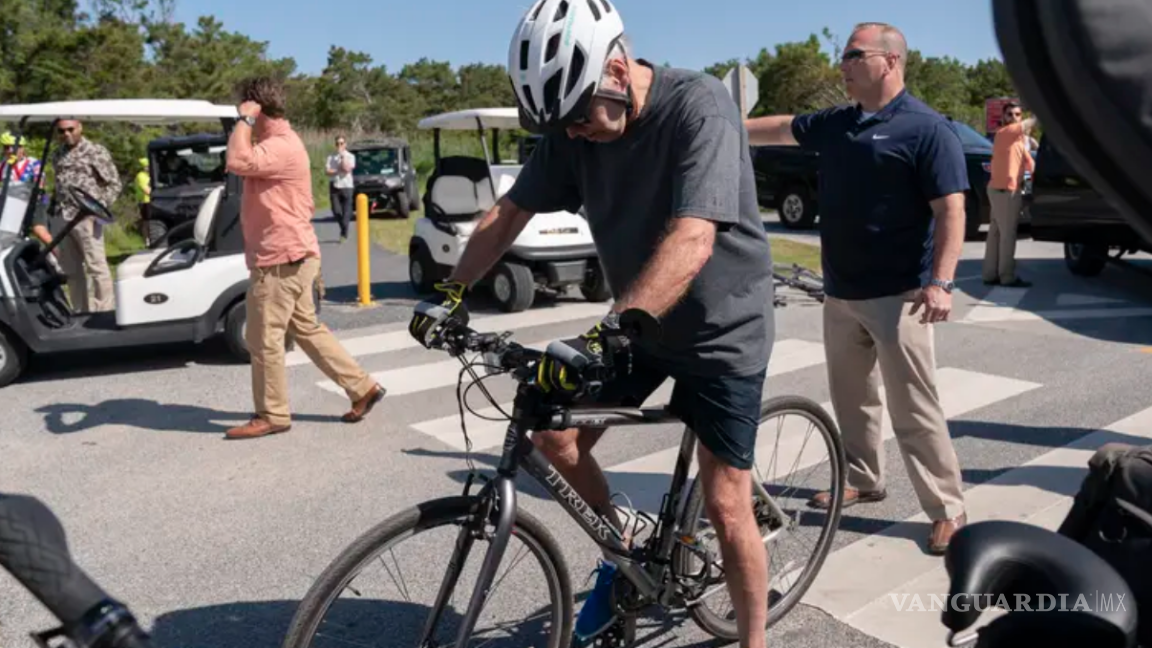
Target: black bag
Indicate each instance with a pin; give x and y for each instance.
(1112, 516)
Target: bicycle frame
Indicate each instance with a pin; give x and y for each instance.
(520, 452)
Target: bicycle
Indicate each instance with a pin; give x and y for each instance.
(799, 278)
(658, 571)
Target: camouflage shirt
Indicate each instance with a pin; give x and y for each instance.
(86, 166)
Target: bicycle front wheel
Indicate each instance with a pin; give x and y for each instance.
(438, 548)
(789, 425)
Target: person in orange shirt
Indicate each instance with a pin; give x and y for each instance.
(1010, 159)
(283, 258)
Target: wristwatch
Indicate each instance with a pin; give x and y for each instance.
(250, 120)
(943, 283)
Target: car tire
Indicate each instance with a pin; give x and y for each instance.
(796, 208)
(13, 357)
(1085, 259)
(235, 325)
(414, 202)
(974, 210)
(423, 271)
(595, 285)
(403, 207)
(513, 287)
(156, 232)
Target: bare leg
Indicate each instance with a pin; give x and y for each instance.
(570, 451)
(728, 501)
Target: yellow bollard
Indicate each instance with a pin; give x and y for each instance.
(364, 275)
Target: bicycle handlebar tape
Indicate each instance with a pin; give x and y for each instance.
(33, 548)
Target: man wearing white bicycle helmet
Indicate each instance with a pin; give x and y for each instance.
(659, 159)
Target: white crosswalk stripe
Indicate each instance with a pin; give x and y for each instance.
(860, 584)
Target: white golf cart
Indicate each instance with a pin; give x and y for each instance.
(553, 252)
(188, 292)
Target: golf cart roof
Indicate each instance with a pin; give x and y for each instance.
(156, 111)
(502, 118)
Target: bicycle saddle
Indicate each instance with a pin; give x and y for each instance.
(1091, 605)
(1082, 66)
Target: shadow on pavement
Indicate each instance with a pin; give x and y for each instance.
(67, 418)
(110, 362)
(349, 622)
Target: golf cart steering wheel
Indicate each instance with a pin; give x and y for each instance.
(90, 205)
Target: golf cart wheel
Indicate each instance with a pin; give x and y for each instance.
(156, 231)
(595, 285)
(414, 202)
(513, 287)
(13, 357)
(797, 210)
(402, 204)
(235, 329)
(1085, 259)
(423, 271)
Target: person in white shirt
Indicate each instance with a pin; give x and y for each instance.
(340, 185)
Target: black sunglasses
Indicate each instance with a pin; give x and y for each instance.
(857, 54)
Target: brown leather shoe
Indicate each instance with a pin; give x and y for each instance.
(942, 532)
(255, 428)
(851, 496)
(361, 407)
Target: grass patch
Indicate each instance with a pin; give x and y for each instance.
(786, 252)
(393, 233)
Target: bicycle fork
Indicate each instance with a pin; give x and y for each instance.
(502, 494)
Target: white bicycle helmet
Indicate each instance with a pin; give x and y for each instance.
(557, 57)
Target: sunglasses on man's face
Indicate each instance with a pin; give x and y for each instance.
(857, 54)
(62, 130)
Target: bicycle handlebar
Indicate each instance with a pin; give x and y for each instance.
(33, 548)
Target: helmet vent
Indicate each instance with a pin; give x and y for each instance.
(553, 46)
(595, 10)
(552, 92)
(528, 97)
(574, 70)
(524, 45)
(561, 11)
(539, 7)
(607, 7)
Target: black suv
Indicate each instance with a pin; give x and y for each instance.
(384, 172)
(787, 179)
(183, 171)
(1064, 208)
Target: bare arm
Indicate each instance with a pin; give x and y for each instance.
(775, 130)
(246, 159)
(949, 237)
(679, 258)
(493, 236)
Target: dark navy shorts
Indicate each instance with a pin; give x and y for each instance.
(724, 412)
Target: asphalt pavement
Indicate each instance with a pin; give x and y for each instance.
(213, 543)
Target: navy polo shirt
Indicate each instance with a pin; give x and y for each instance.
(878, 175)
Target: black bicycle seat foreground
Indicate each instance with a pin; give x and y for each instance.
(33, 548)
(1082, 66)
(1077, 600)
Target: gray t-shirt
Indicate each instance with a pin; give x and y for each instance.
(686, 155)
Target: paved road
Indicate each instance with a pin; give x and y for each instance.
(213, 543)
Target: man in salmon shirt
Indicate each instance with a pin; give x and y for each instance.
(283, 259)
(1010, 159)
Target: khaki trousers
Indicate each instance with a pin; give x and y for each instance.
(1000, 249)
(279, 300)
(85, 263)
(865, 341)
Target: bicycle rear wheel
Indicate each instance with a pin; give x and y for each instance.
(695, 524)
(366, 620)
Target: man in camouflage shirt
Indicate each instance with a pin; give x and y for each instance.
(84, 164)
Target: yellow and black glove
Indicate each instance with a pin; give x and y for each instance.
(430, 315)
(580, 366)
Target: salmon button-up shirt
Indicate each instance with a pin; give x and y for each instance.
(277, 209)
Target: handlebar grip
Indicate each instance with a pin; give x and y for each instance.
(33, 548)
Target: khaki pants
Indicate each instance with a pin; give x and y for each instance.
(279, 299)
(869, 339)
(1000, 250)
(84, 261)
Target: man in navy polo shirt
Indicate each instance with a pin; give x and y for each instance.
(892, 183)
